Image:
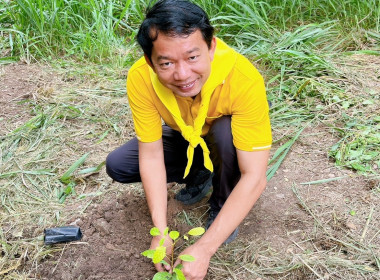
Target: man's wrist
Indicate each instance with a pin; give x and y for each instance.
(161, 227)
(208, 246)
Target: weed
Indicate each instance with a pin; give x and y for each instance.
(359, 146)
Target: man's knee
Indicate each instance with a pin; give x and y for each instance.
(122, 169)
(220, 133)
(222, 124)
(109, 165)
(112, 166)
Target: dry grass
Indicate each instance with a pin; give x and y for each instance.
(329, 250)
(64, 123)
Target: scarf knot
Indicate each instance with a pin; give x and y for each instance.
(191, 136)
(194, 139)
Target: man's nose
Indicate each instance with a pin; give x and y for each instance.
(182, 71)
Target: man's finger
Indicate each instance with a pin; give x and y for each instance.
(167, 267)
(159, 267)
(177, 262)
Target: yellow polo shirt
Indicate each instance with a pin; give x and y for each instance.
(236, 88)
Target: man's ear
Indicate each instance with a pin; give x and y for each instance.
(212, 48)
(149, 62)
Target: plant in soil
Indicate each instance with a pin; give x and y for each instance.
(159, 253)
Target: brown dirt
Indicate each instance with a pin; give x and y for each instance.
(111, 246)
(115, 232)
(20, 83)
(115, 225)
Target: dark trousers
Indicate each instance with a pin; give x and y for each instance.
(122, 164)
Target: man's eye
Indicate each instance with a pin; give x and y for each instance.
(165, 64)
(192, 58)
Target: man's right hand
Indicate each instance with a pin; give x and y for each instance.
(169, 248)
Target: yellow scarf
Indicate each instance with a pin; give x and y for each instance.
(193, 133)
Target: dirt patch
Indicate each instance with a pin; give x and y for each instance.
(20, 83)
(114, 235)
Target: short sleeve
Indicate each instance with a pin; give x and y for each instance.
(146, 118)
(250, 123)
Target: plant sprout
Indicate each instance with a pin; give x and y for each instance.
(159, 253)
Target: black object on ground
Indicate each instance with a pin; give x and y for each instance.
(62, 234)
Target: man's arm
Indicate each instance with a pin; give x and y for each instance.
(153, 177)
(253, 166)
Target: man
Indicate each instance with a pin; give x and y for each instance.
(215, 110)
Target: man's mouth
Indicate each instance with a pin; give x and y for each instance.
(187, 86)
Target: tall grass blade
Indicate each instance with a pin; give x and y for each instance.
(281, 153)
(322, 181)
(65, 178)
(92, 169)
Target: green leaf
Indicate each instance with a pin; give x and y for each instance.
(62, 198)
(368, 102)
(346, 105)
(162, 241)
(359, 167)
(148, 253)
(164, 262)
(166, 231)
(32, 172)
(9, 59)
(72, 190)
(101, 138)
(179, 274)
(196, 231)
(174, 234)
(187, 258)
(179, 266)
(155, 232)
(352, 212)
(163, 275)
(159, 254)
(69, 189)
(92, 169)
(66, 176)
(185, 237)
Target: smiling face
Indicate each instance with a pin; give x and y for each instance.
(182, 64)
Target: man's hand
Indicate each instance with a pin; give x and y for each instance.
(249, 188)
(153, 176)
(197, 269)
(169, 247)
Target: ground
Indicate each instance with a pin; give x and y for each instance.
(298, 229)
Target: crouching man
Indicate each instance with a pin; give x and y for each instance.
(216, 126)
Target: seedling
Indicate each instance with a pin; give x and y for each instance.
(159, 253)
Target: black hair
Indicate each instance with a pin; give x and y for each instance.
(173, 18)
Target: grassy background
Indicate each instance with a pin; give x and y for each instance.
(293, 40)
(301, 48)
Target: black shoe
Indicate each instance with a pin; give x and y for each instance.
(196, 189)
(211, 217)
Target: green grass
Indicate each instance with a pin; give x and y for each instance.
(102, 31)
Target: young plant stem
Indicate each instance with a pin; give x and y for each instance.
(172, 259)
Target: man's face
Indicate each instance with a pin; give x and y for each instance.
(182, 64)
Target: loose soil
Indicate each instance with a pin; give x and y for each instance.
(116, 225)
(18, 84)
